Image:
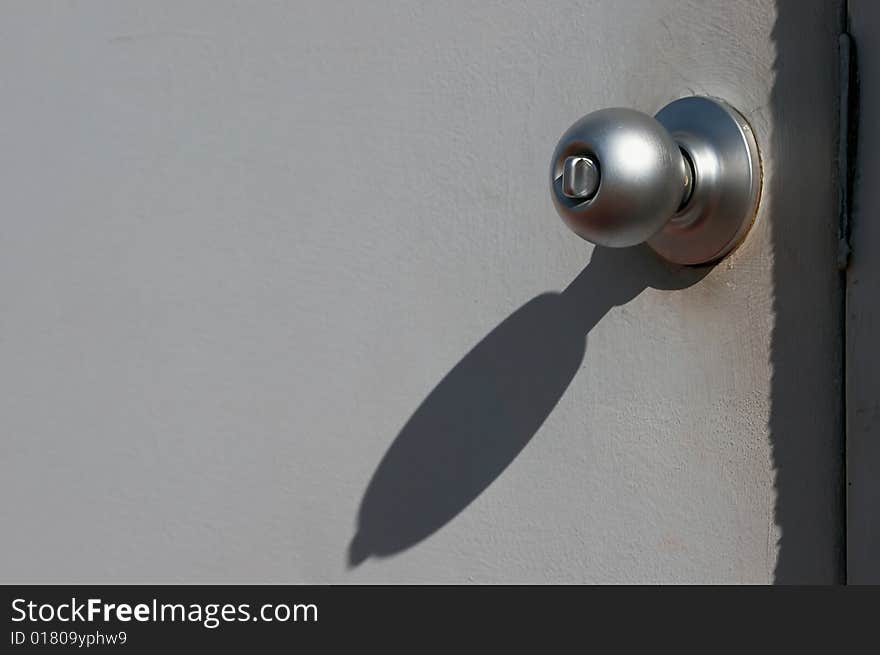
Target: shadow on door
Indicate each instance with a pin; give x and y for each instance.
(482, 414)
(806, 429)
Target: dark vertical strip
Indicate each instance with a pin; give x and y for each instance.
(806, 412)
(843, 254)
(846, 161)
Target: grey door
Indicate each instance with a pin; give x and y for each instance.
(284, 299)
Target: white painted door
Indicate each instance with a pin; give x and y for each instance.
(284, 299)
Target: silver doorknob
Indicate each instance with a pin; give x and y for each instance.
(687, 181)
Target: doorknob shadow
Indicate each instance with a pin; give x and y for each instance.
(481, 415)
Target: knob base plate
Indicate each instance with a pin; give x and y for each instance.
(727, 181)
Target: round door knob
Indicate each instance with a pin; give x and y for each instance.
(687, 180)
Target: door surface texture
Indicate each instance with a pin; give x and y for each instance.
(285, 299)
